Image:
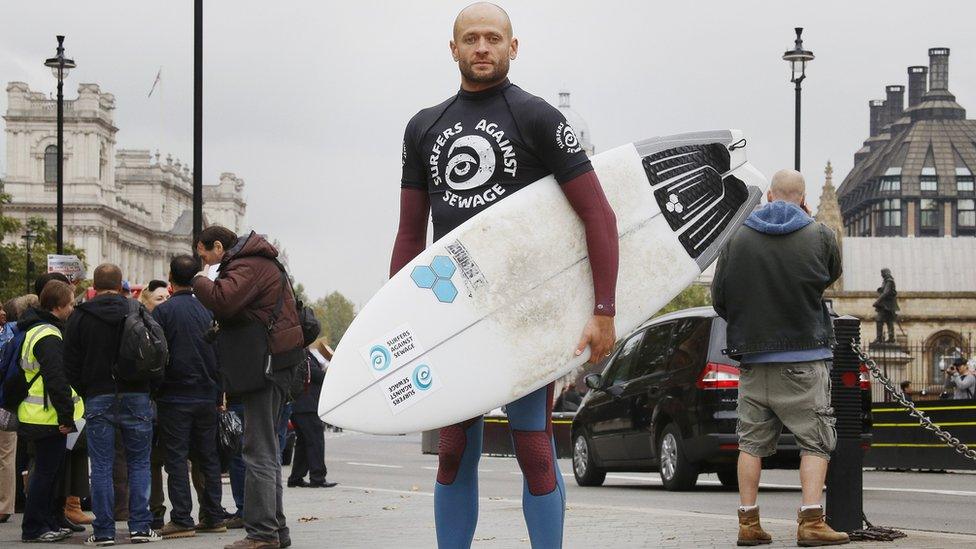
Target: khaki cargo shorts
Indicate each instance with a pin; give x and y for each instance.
(794, 394)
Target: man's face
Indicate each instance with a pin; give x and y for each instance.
(64, 312)
(213, 256)
(483, 47)
(963, 369)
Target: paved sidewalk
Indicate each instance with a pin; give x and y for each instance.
(351, 517)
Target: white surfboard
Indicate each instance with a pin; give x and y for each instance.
(493, 310)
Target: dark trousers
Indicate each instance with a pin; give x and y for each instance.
(189, 430)
(264, 517)
(309, 448)
(39, 509)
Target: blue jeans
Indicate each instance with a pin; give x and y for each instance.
(132, 413)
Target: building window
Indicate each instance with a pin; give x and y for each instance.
(891, 183)
(964, 184)
(945, 348)
(891, 213)
(966, 215)
(51, 164)
(929, 184)
(930, 211)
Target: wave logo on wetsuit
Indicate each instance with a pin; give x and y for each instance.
(566, 138)
(422, 377)
(471, 163)
(379, 358)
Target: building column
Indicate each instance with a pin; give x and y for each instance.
(948, 224)
(911, 223)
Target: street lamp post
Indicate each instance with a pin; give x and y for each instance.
(798, 59)
(60, 66)
(29, 266)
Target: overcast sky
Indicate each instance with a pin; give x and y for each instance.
(306, 101)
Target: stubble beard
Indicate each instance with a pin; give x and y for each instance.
(499, 73)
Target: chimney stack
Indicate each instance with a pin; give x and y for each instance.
(938, 68)
(895, 102)
(916, 84)
(877, 116)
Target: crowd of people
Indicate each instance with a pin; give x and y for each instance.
(109, 391)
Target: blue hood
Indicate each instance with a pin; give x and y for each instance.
(778, 217)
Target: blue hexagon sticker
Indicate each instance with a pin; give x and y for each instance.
(444, 290)
(443, 266)
(423, 276)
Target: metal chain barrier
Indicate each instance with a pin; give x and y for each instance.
(880, 533)
(943, 435)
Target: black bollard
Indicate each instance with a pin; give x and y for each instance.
(845, 501)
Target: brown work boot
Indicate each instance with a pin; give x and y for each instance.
(173, 531)
(812, 530)
(73, 512)
(750, 531)
(251, 543)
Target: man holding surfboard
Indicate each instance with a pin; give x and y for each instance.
(460, 157)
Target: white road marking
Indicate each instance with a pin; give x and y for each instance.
(960, 493)
(383, 465)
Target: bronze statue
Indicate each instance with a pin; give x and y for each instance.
(887, 307)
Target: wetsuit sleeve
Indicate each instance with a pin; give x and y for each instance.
(413, 175)
(556, 144)
(411, 236)
(50, 351)
(586, 196)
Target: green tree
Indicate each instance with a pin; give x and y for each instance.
(301, 294)
(13, 255)
(336, 313)
(692, 296)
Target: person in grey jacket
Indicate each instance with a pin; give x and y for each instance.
(769, 287)
(961, 380)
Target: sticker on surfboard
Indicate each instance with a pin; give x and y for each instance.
(410, 386)
(396, 349)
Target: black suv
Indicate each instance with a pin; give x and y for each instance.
(666, 402)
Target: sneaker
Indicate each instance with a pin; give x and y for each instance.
(144, 537)
(51, 536)
(94, 541)
(208, 527)
(235, 523)
(172, 531)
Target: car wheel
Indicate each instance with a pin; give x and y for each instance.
(677, 472)
(729, 479)
(584, 468)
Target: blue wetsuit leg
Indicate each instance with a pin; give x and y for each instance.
(543, 492)
(456, 489)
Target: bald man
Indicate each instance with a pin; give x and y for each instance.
(460, 157)
(769, 287)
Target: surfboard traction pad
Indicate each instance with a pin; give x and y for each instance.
(696, 194)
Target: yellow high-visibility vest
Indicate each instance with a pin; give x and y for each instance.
(34, 409)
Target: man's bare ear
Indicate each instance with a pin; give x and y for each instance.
(454, 52)
(513, 49)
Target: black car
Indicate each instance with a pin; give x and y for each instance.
(666, 402)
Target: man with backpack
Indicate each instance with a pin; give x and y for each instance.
(113, 354)
(259, 347)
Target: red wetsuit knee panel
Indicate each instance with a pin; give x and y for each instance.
(533, 449)
(450, 450)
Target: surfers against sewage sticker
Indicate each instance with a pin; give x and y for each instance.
(409, 386)
(396, 349)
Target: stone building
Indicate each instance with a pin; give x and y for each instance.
(914, 174)
(124, 206)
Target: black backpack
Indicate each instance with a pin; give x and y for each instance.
(306, 316)
(143, 352)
